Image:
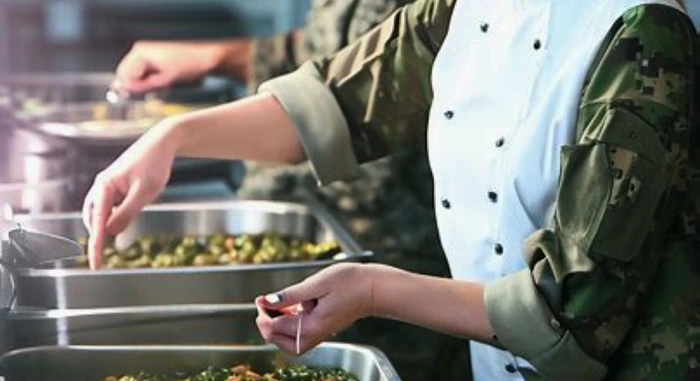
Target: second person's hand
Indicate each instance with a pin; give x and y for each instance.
(154, 65)
(135, 179)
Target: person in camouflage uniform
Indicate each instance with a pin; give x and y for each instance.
(610, 288)
(379, 209)
(626, 291)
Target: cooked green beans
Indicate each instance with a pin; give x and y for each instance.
(217, 249)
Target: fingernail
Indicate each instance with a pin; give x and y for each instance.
(274, 298)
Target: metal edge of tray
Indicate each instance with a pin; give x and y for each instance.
(103, 79)
(351, 248)
(121, 135)
(183, 310)
(156, 325)
(366, 362)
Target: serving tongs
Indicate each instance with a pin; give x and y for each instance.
(29, 249)
(118, 101)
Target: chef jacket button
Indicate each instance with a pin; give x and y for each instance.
(484, 27)
(510, 368)
(493, 196)
(498, 249)
(500, 142)
(446, 203)
(449, 114)
(537, 45)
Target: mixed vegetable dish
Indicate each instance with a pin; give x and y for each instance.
(217, 249)
(244, 373)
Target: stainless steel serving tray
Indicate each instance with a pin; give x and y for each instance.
(94, 363)
(58, 104)
(153, 325)
(82, 288)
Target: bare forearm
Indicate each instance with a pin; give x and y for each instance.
(255, 128)
(445, 305)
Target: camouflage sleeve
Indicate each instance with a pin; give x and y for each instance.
(271, 58)
(371, 97)
(620, 188)
(331, 25)
(325, 33)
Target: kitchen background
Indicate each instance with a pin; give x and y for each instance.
(40, 37)
(91, 35)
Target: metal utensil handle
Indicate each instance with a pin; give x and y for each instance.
(9, 296)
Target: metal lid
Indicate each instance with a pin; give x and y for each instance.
(30, 249)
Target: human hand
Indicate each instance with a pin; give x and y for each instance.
(152, 65)
(329, 301)
(135, 179)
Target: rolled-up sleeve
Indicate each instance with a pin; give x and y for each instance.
(620, 189)
(323, 132)
(370, 98)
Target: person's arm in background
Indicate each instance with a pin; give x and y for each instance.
(621, 188)
(153, 65)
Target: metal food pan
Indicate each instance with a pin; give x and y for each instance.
(156, 325)
(57, 104)
(95, 363)
(82, 288)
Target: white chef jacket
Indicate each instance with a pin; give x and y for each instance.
(507, 84)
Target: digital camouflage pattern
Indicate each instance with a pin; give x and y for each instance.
(616, 281)
(634, 304)
(389, 209)
(664, 343)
